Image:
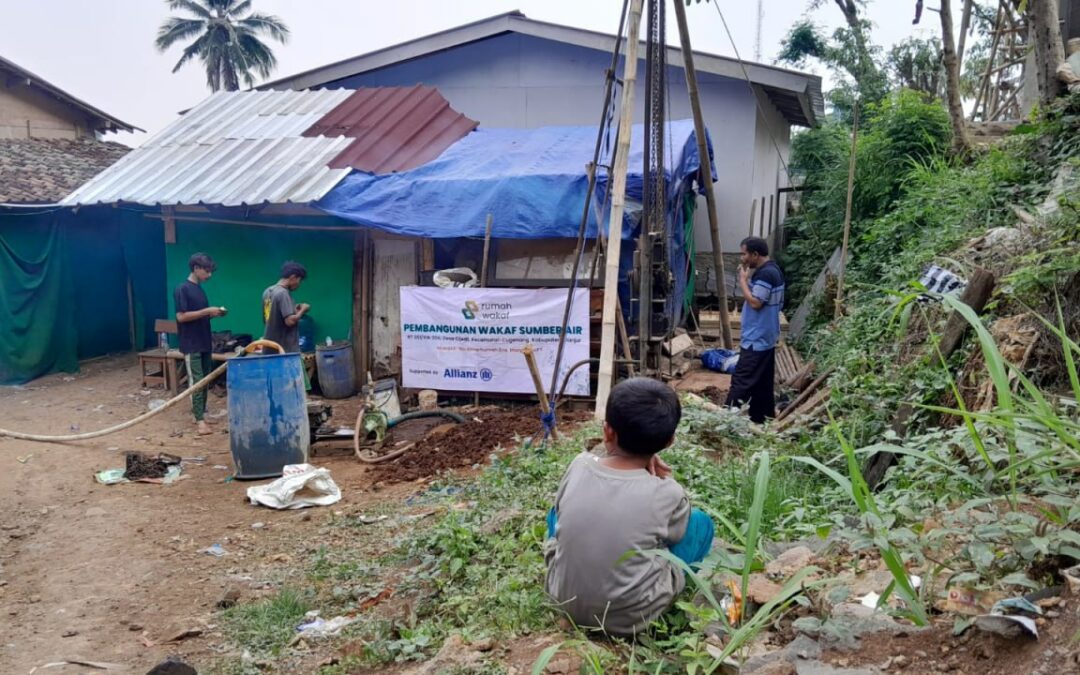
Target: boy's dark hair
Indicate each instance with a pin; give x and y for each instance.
(643, 413)
(755, 245)
(293, 269)
(202, 261)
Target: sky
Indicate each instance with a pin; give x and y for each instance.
(103, 53)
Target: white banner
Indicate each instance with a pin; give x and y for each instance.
(470, 339)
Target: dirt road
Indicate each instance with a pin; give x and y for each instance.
(110, 573)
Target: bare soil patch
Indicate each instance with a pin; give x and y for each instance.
(461, 445)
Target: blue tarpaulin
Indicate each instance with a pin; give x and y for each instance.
(532, 181)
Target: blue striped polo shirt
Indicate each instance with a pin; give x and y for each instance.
(761, 327)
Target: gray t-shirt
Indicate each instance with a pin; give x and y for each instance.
(603, 513)
(277, 304)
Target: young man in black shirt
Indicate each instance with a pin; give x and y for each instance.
(193, 314)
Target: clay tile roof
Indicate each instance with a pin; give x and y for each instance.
(45, 170)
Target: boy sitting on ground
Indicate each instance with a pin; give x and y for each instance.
(624, 500)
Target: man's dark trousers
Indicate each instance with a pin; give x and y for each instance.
(753, 382)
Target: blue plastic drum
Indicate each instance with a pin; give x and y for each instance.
(268, 423)
(337, 377)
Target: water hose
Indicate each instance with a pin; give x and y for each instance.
(369, 457)
(425, 413)
(201, 384)
(566, 378)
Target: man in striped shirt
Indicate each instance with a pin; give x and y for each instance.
(762, 285)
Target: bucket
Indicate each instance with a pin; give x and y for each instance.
(337, 379)
(429, 399)
(385, 397)
(268, 422)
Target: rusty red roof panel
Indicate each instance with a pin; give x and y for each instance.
(396, 128)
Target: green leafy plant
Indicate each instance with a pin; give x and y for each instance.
(856, 487)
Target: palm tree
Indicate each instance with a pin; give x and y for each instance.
(227, 40)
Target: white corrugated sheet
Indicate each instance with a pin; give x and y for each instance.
(234, 148)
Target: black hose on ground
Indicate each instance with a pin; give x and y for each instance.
(424, 413)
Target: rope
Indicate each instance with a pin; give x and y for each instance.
(201, 384)
(749, 83)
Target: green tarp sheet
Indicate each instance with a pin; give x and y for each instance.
(64, 287)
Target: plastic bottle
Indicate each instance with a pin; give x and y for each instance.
(329, 342)
(163, 340)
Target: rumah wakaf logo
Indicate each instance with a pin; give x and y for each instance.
(470, 309)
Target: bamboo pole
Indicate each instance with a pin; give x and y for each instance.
(706, 169)
(483, 279)
(545, 406)
(984, 85)
(618, 205)
(838, 310)
(965, 22)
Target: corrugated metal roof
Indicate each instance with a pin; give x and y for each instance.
(241, 148)
(395, 128)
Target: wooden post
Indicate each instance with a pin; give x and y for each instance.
(131, 315)
(975, 295)
(761, 218)
(483, 278)
(618, 205)
(427, 255)
(359, 331)
(768, 231)
(838, 310)
(167, 217)
(624, 337)
(706, 169)
(545, 406)
(753, 216)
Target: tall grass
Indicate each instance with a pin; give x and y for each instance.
(856, 487)
(1027, 410)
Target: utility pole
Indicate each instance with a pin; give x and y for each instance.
(606, 375)
(706, 171)
(757, 35)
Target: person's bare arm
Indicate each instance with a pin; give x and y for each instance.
(206, 312)
(294, 319)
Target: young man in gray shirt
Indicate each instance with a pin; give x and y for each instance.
(280, 314)
(624, 500)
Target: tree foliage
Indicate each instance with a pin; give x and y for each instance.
(847, 52)
(917, 64)
(226, 36)
(897, 136)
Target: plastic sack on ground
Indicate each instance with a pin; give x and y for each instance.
(300, 486)
(455, 277)
(720, 360)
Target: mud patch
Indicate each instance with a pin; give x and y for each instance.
(461, 446)
(411, 431)
(715, 394)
